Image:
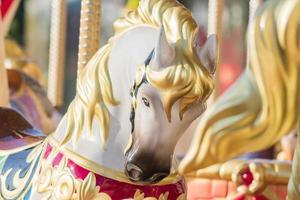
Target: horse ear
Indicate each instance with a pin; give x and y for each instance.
(164, 53)
(208, 52)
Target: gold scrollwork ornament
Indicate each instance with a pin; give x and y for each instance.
(57, 183)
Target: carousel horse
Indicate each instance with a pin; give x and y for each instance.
(255, 113)
(262, 106)
(29, 98)
(16, 58)
(134, 99)
(27, 95)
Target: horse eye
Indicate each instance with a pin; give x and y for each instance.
(146, 102)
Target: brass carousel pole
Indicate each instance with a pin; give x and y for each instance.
(89, 38)
(4, 90)
(215, 13)
(57, 52)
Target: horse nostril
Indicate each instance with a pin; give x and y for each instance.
(134, 172)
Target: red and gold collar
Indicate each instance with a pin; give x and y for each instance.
(68, 175)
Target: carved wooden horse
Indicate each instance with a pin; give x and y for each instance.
(252, 114)
(255, 113)
(145, 86)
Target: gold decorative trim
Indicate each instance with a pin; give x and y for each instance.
(271, 172)
(99, 169)
(58, 183)
(138, 195)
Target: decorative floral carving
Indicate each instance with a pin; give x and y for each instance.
(57, 183)
(57, 179)
(250, 179)
(88, 189)
(141, 196)
(257, 180)
(20, 184)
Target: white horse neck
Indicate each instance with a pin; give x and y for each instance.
(130, 49)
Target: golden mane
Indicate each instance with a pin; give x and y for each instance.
(264, 103)
(188, 76)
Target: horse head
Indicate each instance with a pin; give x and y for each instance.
(162, 109)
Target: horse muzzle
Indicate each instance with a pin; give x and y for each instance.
(146, 176)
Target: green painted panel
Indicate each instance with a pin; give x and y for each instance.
(2, 161)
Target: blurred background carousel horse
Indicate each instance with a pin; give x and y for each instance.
(25, 80)
(294, 183)
(255, 113)
(143, 88)
(27, 95)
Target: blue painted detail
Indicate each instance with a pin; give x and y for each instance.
(27, 196)
(16, 106)
(147, 61)
(34, 133)
(17, 162)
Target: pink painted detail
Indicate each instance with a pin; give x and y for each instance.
(241, 197)
(209, 186)
(57, 159)
(77, 171)
(247, 177)
(5, 6)
(122, 190)
(47, 151)
(281, 191)
(257, 197)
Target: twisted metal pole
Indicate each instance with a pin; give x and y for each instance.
(215, 13)
(89, 38)
(4, 90)
(57, 52)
